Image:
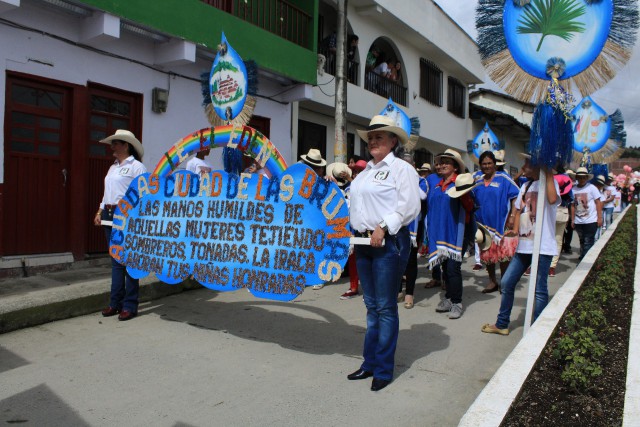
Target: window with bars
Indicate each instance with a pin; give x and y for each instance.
(430, 82)
(456, 96)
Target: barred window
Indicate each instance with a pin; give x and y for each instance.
(430, 82)
(456, 96)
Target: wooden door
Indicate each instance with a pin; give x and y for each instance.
(109, 110)
(36, 153)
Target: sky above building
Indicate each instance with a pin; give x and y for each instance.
(622, 92)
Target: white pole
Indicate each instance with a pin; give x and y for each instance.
(531, 295)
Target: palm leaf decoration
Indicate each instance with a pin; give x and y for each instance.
(552, 18)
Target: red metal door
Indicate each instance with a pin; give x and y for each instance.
(109, 110)
(36, 148)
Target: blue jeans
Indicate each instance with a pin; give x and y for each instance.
(608, 217)
(380, 271)
(518, 265)
(124, 288)
(587, 236)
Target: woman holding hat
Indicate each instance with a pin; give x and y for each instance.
(525, 220)
(128, 153)
(495, 194)
(384, 200)
(450, 206)
(586, 218)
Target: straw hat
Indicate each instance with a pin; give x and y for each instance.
(600, 179)
(336, 169)
(570, 173)
(126, 136)
(483, 237)
(453, 155)
(314, 158)
(425, 167)
(384, 123)
(584, 172)
(464, 183)
(499, 155)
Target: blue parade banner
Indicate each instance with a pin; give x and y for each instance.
(273, 237)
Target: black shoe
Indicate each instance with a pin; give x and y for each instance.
(360, 374)
(378, 384)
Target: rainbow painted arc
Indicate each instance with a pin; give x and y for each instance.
(247, 139)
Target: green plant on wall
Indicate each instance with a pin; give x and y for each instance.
(552, 18)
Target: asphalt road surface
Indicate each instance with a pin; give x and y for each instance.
(203, 358)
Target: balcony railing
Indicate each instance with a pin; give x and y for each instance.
(330, 65)
(386, 88)
(276, 16)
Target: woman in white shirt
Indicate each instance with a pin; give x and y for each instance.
(384, 199)
(128, 153)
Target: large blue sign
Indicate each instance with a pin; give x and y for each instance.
(273, 237)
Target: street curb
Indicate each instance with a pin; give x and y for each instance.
(632, 389)
(43, 306)
(494, 401)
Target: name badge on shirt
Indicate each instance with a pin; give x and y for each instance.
(124, 171)
(494, 184)
(381, 176)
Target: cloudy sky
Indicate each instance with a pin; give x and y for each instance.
(622, 92)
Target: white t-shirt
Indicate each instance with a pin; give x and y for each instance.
(382, 69)
(118, 179)
(585, 200)
(608, 191)
(527, 229)
(196, 165)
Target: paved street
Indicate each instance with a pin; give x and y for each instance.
(203, 358)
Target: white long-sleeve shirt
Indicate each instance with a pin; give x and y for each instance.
(386, 191)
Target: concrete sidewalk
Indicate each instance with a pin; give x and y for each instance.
(80, 290)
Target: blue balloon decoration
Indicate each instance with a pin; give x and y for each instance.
(485, 140)
(591, 126)
(228, 82)
(400, 117)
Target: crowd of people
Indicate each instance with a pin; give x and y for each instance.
(405, 213)
(410, 212)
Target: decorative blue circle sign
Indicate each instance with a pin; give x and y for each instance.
(573, 30)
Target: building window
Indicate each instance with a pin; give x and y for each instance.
(430, 82)
(455, 99)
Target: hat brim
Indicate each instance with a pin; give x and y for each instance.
(137, 145)
(397, 131)
(312, 162)
(485, 242)
(588, 175)
(345, 168)
(500, 163)
(458, 161)
(455, 193)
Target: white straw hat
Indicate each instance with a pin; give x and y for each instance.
(126, 136)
